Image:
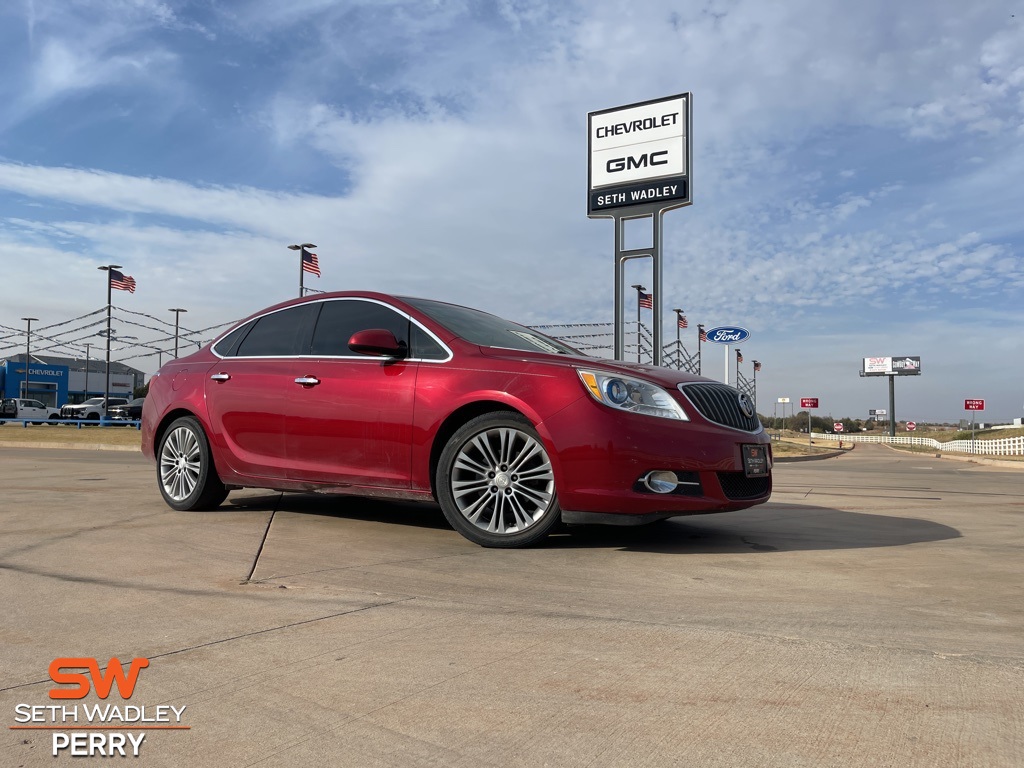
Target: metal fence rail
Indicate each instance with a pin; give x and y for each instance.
(1004, 446)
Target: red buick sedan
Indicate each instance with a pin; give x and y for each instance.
(510, 431)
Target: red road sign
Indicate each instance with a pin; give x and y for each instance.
(911, 426)
(808, 402)
(837, 426)
(974, 405)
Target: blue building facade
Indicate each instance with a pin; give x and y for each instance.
(46, 383)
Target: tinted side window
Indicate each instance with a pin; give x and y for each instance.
(340, 319)
(275, 335)
(226, 346)
(424, 347)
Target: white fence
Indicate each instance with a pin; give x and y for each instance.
(1007, 446)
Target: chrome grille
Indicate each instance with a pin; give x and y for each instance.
(720, 403)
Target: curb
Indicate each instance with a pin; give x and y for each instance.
(814, 457)
(970, 459)
(72, 446)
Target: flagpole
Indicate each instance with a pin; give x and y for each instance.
(756, 366)
(679, 343)
(106, 386)
(700, 332)
(302, 263)
(639, 290)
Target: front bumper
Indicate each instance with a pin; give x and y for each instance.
(604, 454)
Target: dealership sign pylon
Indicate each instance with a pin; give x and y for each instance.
(640, 162)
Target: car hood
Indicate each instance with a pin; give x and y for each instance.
(666, 377)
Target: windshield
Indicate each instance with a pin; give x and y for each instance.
(478, 327)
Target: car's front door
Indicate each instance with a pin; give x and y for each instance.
(349, 416)
(247, 393)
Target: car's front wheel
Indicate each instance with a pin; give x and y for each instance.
(185, 472)
(495, 482)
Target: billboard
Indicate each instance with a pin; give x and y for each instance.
(905, 365)
(639, 154)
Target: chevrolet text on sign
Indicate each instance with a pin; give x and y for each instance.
(639, 154)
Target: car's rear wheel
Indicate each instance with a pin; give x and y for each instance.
(495, 482)
(185, 472)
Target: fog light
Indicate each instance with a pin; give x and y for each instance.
(661, 481)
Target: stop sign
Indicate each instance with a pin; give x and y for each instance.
(911, 426)
(838, 426)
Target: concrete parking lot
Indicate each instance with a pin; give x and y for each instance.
(870, 615)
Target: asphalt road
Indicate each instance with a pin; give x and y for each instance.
(870, 615)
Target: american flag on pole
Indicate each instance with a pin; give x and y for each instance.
(683, 322)
(122, 282)
(310, 263)
(703, 333)
(739, 356)
(757, 366)
(646, 300)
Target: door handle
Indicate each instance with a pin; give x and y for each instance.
(221, 376)
(307, 381)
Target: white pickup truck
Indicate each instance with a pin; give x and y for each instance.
(22, 408)
(91, 409)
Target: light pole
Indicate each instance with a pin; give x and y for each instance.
(106, 386)
(302, 257)
(177, 313)
(28, 341)
(639, 293)
(87, 362)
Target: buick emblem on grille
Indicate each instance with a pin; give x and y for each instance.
(746, 405)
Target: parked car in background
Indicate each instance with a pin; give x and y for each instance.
(91, 409)
(510, 431)
(22, 408)
(130, 411)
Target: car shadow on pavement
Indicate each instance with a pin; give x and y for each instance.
(409, 513)
(768, 528)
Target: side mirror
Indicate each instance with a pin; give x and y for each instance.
(377, 341)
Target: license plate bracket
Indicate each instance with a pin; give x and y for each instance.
(755, 460)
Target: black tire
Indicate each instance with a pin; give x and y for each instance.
(185, 473)
(93, 416)
(495, 482)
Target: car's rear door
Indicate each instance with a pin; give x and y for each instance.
(247, 392)
(349, 416)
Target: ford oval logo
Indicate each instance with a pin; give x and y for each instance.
(728, 334)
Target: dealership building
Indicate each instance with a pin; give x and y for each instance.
(56, 381)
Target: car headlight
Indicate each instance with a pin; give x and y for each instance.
(626, 394)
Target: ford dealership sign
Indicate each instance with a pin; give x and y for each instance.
(728, 334)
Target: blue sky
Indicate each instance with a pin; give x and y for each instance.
(857, 170)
